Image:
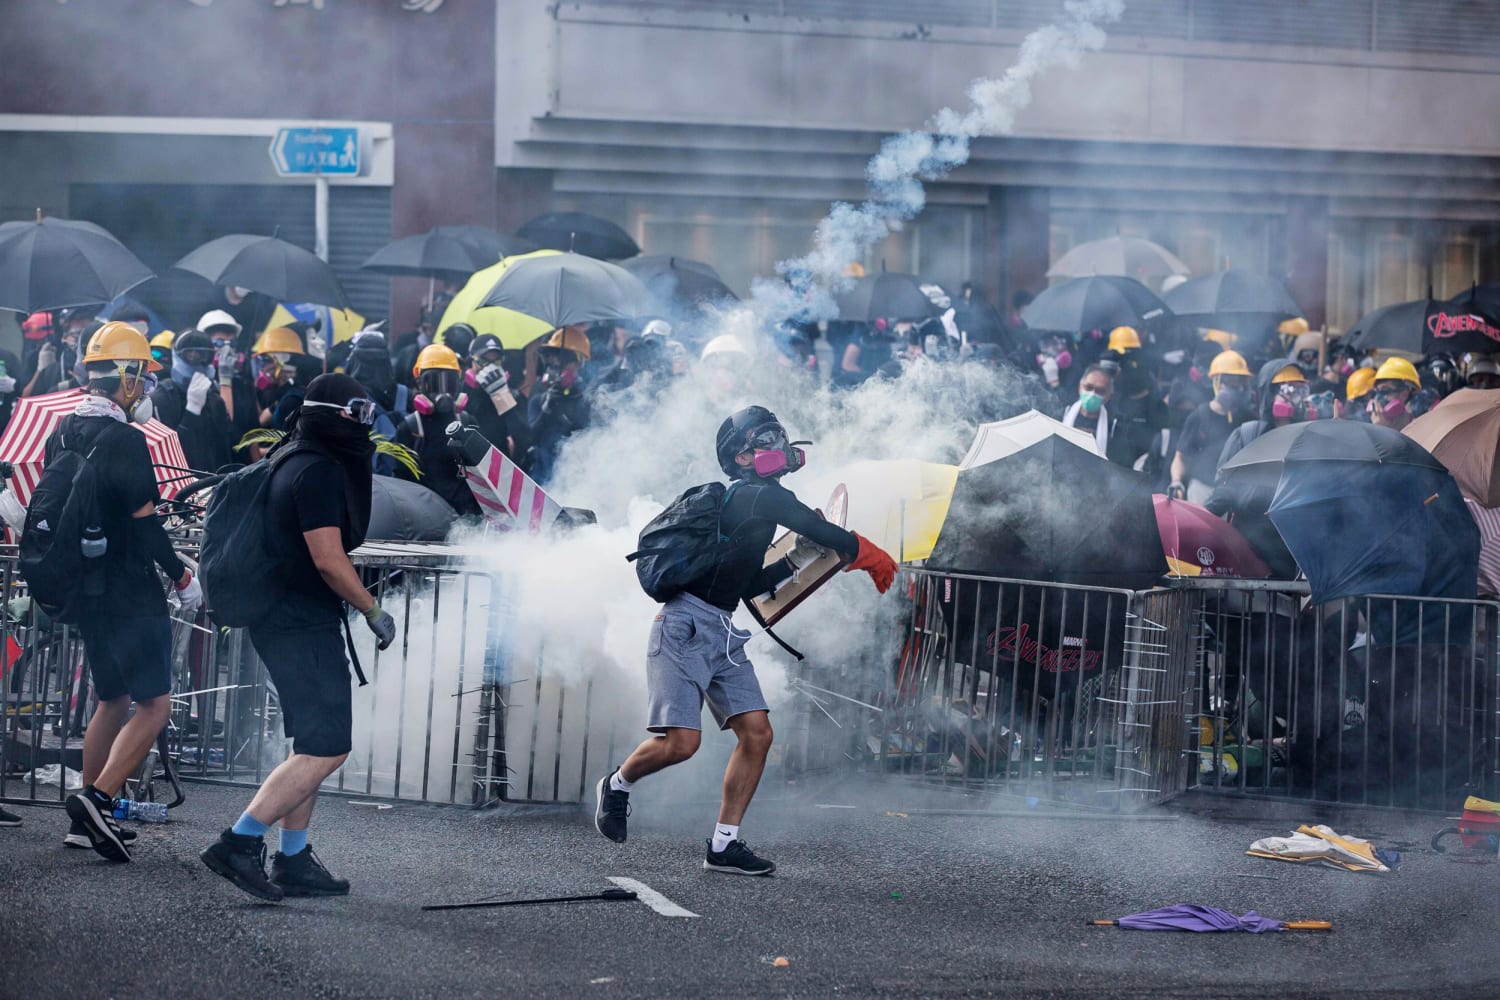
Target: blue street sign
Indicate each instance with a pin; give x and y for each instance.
(305, 152)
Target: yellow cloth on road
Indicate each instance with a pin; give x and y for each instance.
(1323, 844)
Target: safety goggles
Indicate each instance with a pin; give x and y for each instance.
(359, 410)
(1307, 357)
(766, 437)
(1295, 391)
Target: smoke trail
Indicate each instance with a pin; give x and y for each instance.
(896, 174)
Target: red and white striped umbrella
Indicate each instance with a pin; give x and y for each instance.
(36, 417)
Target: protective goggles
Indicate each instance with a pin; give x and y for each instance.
(359, 410)
(766, 437)
(1295, 391)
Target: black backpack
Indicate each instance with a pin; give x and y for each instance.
(683, 542)
(65, 502)
(240, 567)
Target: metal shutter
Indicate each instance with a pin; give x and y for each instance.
(359, 223)
(1468, 27)
(1324, 23)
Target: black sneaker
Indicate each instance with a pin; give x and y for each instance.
(736, 859)
(303, 874)
(8, 818)
(78, 837)
(611, 808)
(91, 810)
(241, 859)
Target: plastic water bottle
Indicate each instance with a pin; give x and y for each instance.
(141, 812)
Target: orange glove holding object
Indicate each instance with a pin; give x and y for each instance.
(875, 561)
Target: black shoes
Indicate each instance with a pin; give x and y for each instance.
(8, 818)
(78, 836)
(736, 859)
(611, 808)
(242, 860)
(91, 810)
(303, 874)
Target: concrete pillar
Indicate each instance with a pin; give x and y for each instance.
(1307, 256)
(1024, 244)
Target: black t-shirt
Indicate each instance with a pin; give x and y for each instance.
(1202, 439)
(306, 493)
(751, 515)
(126, 483)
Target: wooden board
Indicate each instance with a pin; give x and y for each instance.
(770, 609)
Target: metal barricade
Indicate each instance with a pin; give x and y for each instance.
(1376, 700)
(1046, 690)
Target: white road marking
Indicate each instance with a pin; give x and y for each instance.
(661, 904)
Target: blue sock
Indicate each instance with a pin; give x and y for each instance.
(292, 841)
(249, 826)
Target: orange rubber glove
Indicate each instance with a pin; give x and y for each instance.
(875, 561)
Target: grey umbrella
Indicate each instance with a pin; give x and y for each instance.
(1234, 300)
(407, 512)
(265, 264)
(1126, 256)
(570, 288)
(60, 263)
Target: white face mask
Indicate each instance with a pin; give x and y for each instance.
(143, 410)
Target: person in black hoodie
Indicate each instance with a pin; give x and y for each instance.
(439, 403)
(318, 502)
(189, 402)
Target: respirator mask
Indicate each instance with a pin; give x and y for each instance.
(774, 454)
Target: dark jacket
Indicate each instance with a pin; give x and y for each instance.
(205, 436)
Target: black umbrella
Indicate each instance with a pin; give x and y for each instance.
(678, 281)
(1233, 299)
(1101, 302)
(487, 245)
(407, 512)
(1399, 327)
(569, 288)
(270, 266)
(1326, 440)
(887, 295)
(1468, 322)
(60, 263)
(445, 252)
(580, 233)
(1053, 512)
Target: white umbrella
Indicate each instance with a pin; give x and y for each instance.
(1002, 438)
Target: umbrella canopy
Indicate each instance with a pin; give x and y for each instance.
(514, 329)
(1487, 519)
(570, 288)
(486, 245)
(680, 282)
(1467, 323)
(1097, 303)
(35, 418)
(407, 512)
(334, 325)
(1328, 440)
(899, 504)
(426, 255)
(60, 263)
(1463, 433)
(580, 232)
(1233, 299)
(1053, 512)
(1197, 543)
(265, 264)
(1125, 256)
(1427, 326)
(1002, 438)
(888, 295)
(1191, 917)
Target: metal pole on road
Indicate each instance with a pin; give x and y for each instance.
(320, 217)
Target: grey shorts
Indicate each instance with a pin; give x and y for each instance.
(696, 655)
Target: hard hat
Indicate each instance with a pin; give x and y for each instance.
(657, 328)
(1484, 366)
(724, 343)
(1228, 363)
(435, 356)
(1398, 368)
(571, 340)
(163, 339)
(1223, 338)
(854, 269)
(278, 340)
(116, 341)
(1361, 381)
(1124, 338)
(1294, 327)
(215, 318)
(1288, 373)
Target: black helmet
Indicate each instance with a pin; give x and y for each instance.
(734, 435)
(192, 340)
(459, 337)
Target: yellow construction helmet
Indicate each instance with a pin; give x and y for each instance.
(571, 340)
(1228, 363)
(163, 339)
(1294, 327)
(116, 341)
(854, 269)
(1223, 338)
(278, 340)
(1124, 338)
(1288, 373)
(1397, 368)
(1361, 381)
(435, 356)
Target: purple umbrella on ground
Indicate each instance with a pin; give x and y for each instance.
(1189, 917)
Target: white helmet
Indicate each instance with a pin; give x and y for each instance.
(725, 343)
(217, 317)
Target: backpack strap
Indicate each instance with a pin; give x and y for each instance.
(754, 613)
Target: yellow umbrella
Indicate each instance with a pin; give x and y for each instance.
(345, 322)
(514, 329)
(898, 504)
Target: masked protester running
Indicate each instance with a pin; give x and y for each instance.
(695, 653)
(127, 636)
(189, 402)
(318, 505)
(440, 402)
